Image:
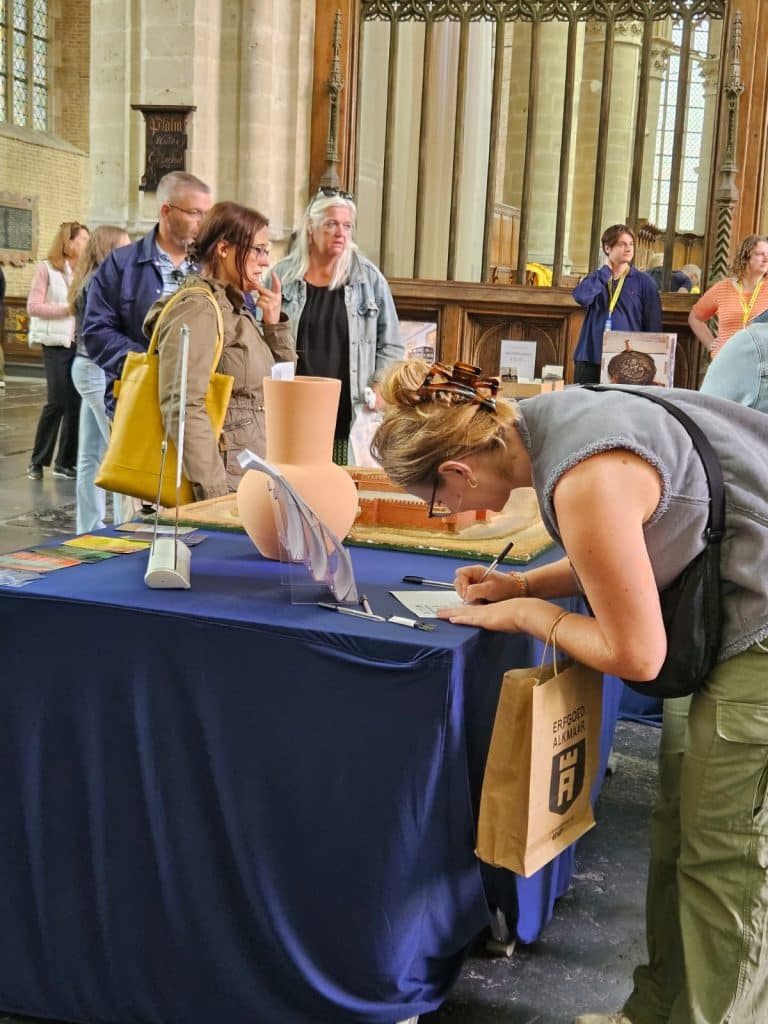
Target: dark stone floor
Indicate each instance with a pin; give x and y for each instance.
(584, 959)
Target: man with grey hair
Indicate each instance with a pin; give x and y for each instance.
(131, 278)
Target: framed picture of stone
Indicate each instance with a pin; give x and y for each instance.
(639, 358)
(420, 339)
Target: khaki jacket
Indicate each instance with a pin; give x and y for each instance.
(250, 350)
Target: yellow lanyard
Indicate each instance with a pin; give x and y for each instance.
(746, 307)
(613, 296)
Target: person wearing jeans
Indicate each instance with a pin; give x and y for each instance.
(91, 382)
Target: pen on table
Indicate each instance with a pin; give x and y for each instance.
(350, 611)
(397, 620)
(366, 604)
(499, 558)
(428, 583)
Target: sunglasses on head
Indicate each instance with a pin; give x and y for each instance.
(461, 379)
(328, 191)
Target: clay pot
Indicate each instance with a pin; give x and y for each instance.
(300, 417)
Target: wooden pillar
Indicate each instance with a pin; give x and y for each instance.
(325, 17)
(752, 133)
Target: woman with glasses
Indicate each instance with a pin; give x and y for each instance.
(624, 493)
(52, 325)
(339, 305)
(232, 249)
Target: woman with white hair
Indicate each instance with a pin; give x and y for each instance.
(339, 305)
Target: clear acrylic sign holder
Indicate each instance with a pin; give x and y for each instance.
(314, 565)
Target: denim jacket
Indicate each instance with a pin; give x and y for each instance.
(740, 369)
(374, 338)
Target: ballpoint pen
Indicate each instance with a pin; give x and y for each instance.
(350, 611)
(366, 604)
(396, 620)
(428, 583)
(499, 558)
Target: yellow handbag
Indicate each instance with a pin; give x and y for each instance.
(131, 464)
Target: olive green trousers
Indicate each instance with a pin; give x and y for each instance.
(707, 900)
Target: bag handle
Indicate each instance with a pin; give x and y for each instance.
(176, 297)
(715, 527)
(551, 641)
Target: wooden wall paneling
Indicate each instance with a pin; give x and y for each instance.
(752, 138)
(473, 319)
(602, 141)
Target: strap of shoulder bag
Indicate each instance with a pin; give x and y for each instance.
(710, 461)
(196, 289)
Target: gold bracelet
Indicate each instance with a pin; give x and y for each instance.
(520, 578)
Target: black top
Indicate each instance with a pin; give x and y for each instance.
(322, 343)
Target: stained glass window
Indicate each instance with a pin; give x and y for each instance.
(24, 63)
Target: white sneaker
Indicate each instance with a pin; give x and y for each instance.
(603, 1018)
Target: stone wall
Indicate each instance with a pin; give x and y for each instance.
(53, 166)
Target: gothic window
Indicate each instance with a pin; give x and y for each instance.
(690, 179)
(24, 63)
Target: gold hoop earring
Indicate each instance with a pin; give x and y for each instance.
(472, 482)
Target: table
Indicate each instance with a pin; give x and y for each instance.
(217, 805)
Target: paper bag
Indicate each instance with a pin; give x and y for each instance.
(542, 760)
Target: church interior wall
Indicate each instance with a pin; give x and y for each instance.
(53, 166)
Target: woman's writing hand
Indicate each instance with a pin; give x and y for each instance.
(269, 300)
(500, 616)
(498, 586)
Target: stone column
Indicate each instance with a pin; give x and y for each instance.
(660, 51)
(111, 178)
(627, 42)
(439, 133)
(474, 170)
(709, 70)
(372, 135)
(234, 60)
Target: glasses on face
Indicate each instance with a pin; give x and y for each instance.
(327, 190)
(436, 509)
(193, 213)
(333, 225)
(261, 250)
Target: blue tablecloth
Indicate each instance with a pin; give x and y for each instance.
(220, 806)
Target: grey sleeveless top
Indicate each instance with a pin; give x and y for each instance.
(561, 429)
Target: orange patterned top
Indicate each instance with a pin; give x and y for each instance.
(723, 300)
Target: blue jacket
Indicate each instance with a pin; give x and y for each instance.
(638, 309)
(120, 293)
(739, 371)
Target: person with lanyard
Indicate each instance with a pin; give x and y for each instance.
(735, 300)
(617, 297)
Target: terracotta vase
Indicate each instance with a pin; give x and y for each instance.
(300, 417)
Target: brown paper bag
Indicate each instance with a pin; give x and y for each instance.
(544, 753)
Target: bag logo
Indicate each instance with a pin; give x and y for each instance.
(567, 779)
